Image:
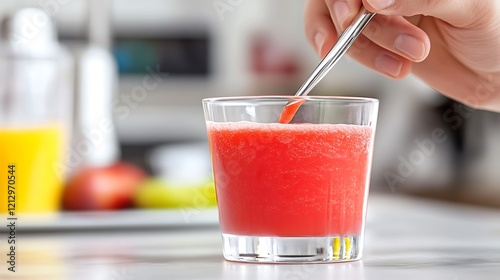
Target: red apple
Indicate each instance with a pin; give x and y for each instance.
(103, 188)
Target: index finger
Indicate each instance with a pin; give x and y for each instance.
(343, 12)
(320, 31)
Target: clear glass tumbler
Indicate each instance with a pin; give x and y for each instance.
(36, 108)
(293, 192)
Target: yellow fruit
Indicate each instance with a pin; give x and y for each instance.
(155, 193)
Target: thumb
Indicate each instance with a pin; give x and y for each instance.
(459, 13)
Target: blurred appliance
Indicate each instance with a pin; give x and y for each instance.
(482, 153)
(95, 142)
(170, 55)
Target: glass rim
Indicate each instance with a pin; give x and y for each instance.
(340, 99)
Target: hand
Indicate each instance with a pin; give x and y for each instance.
(452, 45)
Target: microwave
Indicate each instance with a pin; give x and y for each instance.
(186, 54)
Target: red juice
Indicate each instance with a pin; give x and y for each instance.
(290, 180)
(290, 110)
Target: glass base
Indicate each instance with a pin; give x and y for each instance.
(291, 249)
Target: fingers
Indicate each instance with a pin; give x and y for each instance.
(343, 12)
(389, 45)
(460, 13)
(398, 35)
(379, 59)
(319, 27)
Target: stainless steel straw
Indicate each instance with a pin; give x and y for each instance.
(344, 42)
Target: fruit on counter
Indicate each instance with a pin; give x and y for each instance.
(103, 188)
(156, 193)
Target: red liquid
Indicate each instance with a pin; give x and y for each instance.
(290, 179)
(290, 110)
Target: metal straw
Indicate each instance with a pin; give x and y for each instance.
(344, 42)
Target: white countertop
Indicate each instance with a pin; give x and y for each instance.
(406, 238)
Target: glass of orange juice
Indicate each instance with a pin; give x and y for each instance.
(35, 110)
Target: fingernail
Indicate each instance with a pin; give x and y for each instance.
(411, 46)
(389, 65)
(341, 11)
(319, 40)
(381, 4)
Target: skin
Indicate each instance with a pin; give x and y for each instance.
(452, 45)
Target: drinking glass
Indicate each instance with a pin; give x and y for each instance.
(293, 192)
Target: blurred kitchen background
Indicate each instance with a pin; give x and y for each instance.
(148, 64)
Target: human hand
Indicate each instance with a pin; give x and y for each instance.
(452, 45)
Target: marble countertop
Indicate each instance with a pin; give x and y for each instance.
(406, 238)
